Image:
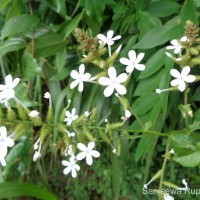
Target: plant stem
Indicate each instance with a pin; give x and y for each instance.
(185, 103)
(163, 168)
(137, 118)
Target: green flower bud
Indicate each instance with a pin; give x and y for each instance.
(11, 114)
(22, 112)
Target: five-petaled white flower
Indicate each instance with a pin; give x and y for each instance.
(168, 197)
(133, 61)
(113, 82)
(4, 143)
(176, 45)
(71, 166)
(79, 77)
(181, 78)
(87, 152)
(70, 117)
(109, 39)
(7, 91)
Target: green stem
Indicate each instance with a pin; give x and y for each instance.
(163, 168)
(137, 118)
(185, 103)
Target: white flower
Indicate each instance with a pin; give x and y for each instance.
(7, 91)
(72, 134)
(186, 185)
(176, 45)
(127, 113)
(113, 82)
(36, 155)
(181, 78)
(168, 197)
(109, 38)
(171, 151)
(33, 113)
(71, 166)
(5, 142)
(133, 61)
(87, 152)
(69, 151)
(47, 95)
(79, 77)
(70, 117)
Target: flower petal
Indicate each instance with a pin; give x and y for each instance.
(3, 132)
(110, 34)
(81, 147)
(125, 61)
(15, 82)
(9, 142)
(185, 71)
(112, 72)
(190, 78)
(129, 68)
(175, 73)
(139, 57)
(91, 145)
(81, 156)
(67, 170)
(140, 67)
(77, 167)
(65, 163)
(132, 55)
(89, 159)
(81, 69)
(108, 91)
(74, 84)
(86, 77)
(181, 86)
(120, 89)
(95, 153)
(8, 80)
(80, 87)
(104, 81)
(117, 37)
(2, 87)
(102, 38)
(175, 82)
(74, 74)
(2, 161)
(122, 78)
(73, 172)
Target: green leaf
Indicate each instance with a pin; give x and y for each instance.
(188, 12)
(60, 7)
(18, 24)
(13, 44)
(30, 66)
(147, 22)
(14, 10)
(145, 103)
(3, 4)
(94, 8)
(49, 44)
(14, 189)
(154, 63)
(149, 84)
(163, 8)
(60, 59)
(190, 160)
(156, 36)
(70, 26)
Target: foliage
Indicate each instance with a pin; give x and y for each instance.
(39, 44)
